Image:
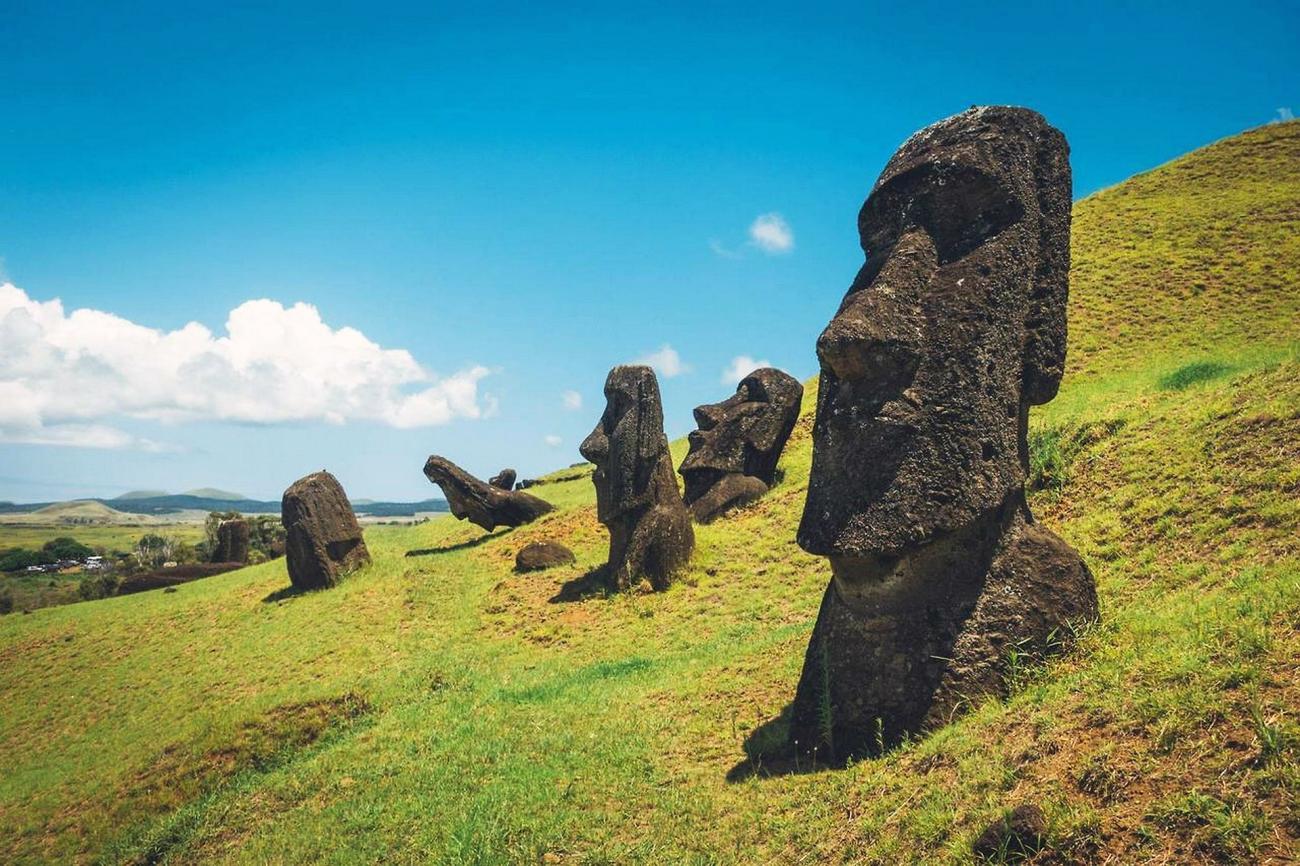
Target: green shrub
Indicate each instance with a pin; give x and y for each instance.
(98, 586)
(66, 548)
(6, 601)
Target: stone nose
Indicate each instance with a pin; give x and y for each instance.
(875, 334)
(595, 447)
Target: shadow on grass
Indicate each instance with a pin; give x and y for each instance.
(769, 753)
(283, 593)
(590, 585)
(460, 545)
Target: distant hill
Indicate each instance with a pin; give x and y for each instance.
(214, 493)
(138, 494)
(185, 506)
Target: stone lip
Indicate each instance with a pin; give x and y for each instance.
(650, 533)
(737, 443)
(323, 540)
(541, 555)
(479, 502)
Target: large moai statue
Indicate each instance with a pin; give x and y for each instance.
(735, 449)
(952, 329)
(481, 503)
(650, 533)
(323, 541)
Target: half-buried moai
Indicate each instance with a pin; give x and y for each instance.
(952, 329)
(232, 541)
(650, 533)
(323, 541)
(481, 503)
(736, 447)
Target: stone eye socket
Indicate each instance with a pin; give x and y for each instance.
(959, 207)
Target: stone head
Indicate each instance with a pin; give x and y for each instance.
(744, 433)
(627, 442)
(953, 327)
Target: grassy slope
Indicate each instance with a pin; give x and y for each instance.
(439, 708)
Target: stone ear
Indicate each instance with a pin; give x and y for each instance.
(651, 420)
(1044, 359)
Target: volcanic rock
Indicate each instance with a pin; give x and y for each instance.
(323, 541)
(952, 329)
(231, 542)
(650, 533)
(541, 555)
(479, 503)
(505, 479)
(737, 443)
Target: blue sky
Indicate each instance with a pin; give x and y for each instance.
(517, 197)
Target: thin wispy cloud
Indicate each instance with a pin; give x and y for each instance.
(771, 234)
(722, 251)
(740, 367)
(665, 361)
(572, 400)
(64, 375)
(552, 441)
(1284, 115)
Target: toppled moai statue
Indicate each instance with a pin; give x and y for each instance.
(479, 503)
(505, 479)
(650, 533)
(232, 541)
(953, 328)
(323, 541)
(541, 555)
(734, 452)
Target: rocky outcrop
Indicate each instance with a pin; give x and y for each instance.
(323, 541)
(952, 329)
(737, 443)
(541, 555)
(650, 533)
(482, 504)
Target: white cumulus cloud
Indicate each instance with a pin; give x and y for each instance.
(666, 362)
(572, 400)
(1284, 115)
(61, 373)
(771, 234)
(740, 367)
(552, 440)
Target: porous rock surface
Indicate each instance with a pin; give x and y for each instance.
(737, 443)
(480, 503)
(952, 329)
(650, 532)
(323, 540)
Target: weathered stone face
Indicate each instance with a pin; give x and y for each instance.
(483, 504)
(952, 329)
(738, 442)
(636, 490)
(323, 541)
(232, 541)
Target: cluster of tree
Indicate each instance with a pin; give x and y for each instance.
(52, 552)
(265, 535)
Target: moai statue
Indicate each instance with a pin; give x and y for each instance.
(232, 541)
(486, 505)
(952, 329)
(650, 534)
(736, 447)
(323, 541)
(505, 479)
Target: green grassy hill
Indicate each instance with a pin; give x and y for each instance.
(437, 708)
